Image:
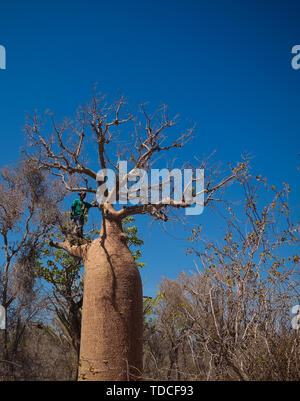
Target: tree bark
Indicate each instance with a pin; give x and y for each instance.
(112, 312)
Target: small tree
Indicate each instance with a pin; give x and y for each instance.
(232, 319)
(28, 210)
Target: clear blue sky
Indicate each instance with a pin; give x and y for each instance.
(223, 64)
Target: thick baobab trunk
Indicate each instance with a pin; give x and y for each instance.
(112, 313)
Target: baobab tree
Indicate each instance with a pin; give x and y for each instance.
(63, 273)
(112, 312)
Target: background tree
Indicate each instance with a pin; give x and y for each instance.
(28, 210)
(232, 319)
(112, 314)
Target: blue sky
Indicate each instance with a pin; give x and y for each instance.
(225, 65)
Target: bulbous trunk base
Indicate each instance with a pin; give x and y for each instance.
(112, 313)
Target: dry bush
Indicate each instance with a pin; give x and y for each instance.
(41, 355)
(231, 320)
